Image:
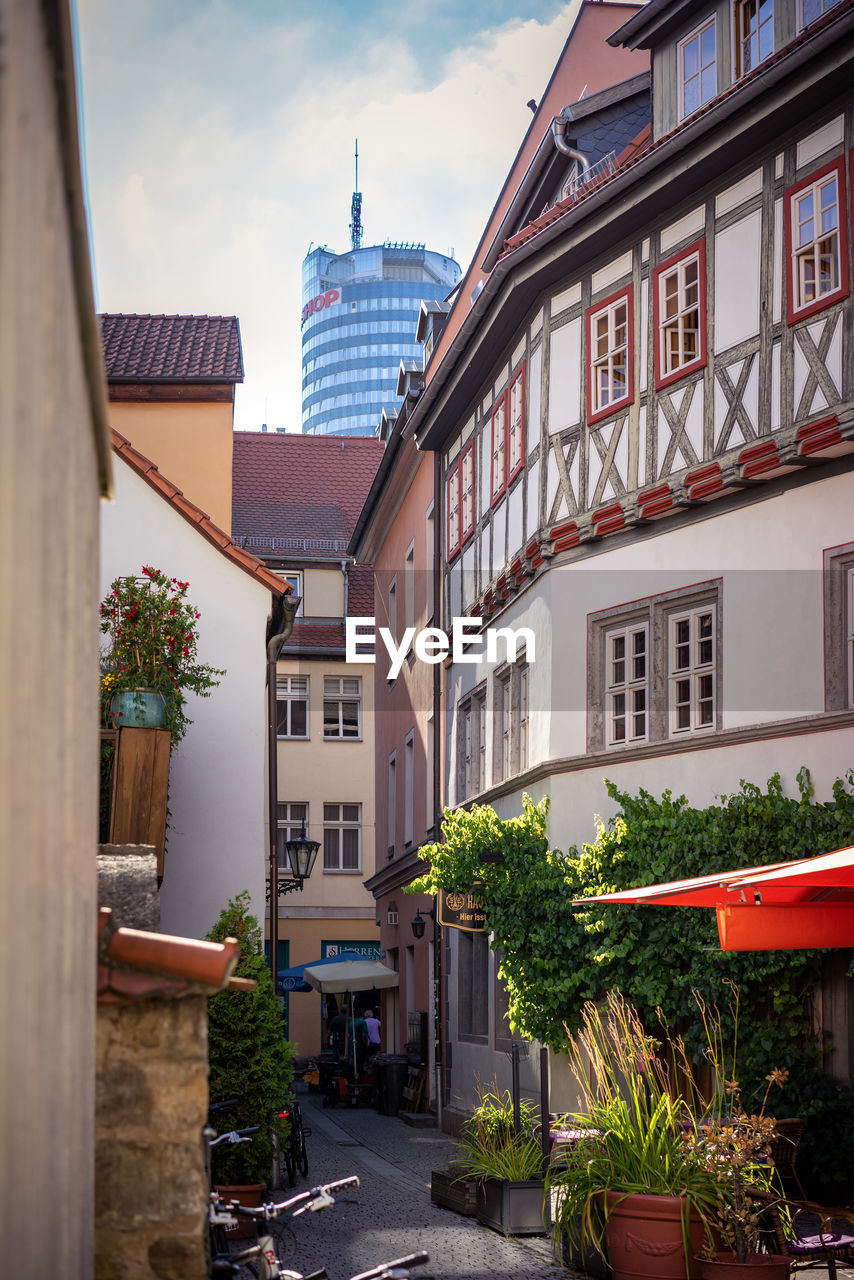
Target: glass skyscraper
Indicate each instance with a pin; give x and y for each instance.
(359, 315)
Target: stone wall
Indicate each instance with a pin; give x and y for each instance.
(151, 1107)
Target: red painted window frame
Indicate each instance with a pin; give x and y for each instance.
(453, 549)
(667, 379)
(457, 470)
(519, 376)
(467, 537)
(495, 495)
(616, 406)
(794, 316)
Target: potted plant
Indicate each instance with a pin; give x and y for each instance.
(506, 1164)
(151, 660)
(249, 1056)
(635, 1187)
(736, 1149)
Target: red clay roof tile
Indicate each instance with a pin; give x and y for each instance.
(145, 468)
(144, 348)
(157, 965)
(304, 492)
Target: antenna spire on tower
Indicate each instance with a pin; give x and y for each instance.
(356, 210)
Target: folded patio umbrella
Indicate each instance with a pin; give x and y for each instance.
(780, 907)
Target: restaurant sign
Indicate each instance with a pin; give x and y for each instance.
(461, 911)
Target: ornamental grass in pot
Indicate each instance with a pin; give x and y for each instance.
(506, 1164)
(636, 1187)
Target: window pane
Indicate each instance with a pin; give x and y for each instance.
(350, 813)
(350, 718)
(330, 850)
(330, 813)
(330, 719)
(281, 718)
(691, 58)
(299, 719)
(350, 859)
(707, 45)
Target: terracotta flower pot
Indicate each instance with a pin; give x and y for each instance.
(644, 1238)
(756, 1266)
(249, 1194)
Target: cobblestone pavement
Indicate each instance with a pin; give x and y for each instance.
(391, 1214)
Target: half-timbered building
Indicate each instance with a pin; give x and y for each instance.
(645, 428)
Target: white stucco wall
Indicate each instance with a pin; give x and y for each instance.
(216, 841)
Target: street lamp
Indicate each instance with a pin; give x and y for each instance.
(301, 855)
(418, 923)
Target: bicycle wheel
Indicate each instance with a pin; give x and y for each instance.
(301, 1150)
(290, 1156)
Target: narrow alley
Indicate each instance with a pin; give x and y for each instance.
(390, 1214)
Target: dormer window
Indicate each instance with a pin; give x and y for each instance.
(698, 69)
(754, 34)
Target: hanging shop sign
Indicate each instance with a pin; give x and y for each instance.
(461, 911)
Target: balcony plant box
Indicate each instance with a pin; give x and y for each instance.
(513, 1208)
(452, 1189)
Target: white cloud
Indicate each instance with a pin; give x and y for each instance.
(218, 150)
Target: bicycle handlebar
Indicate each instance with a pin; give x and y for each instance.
(392, 1268)
(317, 1198)
(236, 1135)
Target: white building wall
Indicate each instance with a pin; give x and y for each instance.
(216, 840)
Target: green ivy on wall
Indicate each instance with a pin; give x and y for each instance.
(556, 955)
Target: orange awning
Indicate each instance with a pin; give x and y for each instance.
(782, 906)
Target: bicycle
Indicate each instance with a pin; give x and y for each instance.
(217, 1230)
(260, 1258)
(295, 1153)
(396, 1270)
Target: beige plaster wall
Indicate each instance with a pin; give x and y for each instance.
(323, 593)
(48, 678)
(191, 445)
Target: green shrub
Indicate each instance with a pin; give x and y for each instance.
(249, 1056)
(489, 1145)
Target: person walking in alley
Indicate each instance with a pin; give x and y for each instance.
(374, 1032)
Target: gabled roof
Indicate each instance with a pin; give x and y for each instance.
(172, 348)
(300, 496)
(250, 564)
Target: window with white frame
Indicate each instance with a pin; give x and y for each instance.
(473, 985)
(698, 69)
(409, 788)
(754, 33)
(813, 9)
(291, 821)
(839, 627)
(511, 720)
(295, 578)
(342, 837)
(471, 748)
(654, 669)
(691, 671)
(342, 707)
(626, 684)
(461, 501)
(391, 797)
(292, 706)
(454, 512)
(817, 241)
(680, 308)
(609, 346)
(429, 535)
(498, 481)
(516, 425)
(409, 587)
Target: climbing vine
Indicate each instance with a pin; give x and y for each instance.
(555, 955)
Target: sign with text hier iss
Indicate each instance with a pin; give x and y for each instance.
(461, 911)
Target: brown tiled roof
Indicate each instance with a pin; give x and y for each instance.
(315, 635)
(172, 348)
(360, 593)
(306, 492)
(250, 564)
(135, 964)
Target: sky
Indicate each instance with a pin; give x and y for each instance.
(219, 139)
